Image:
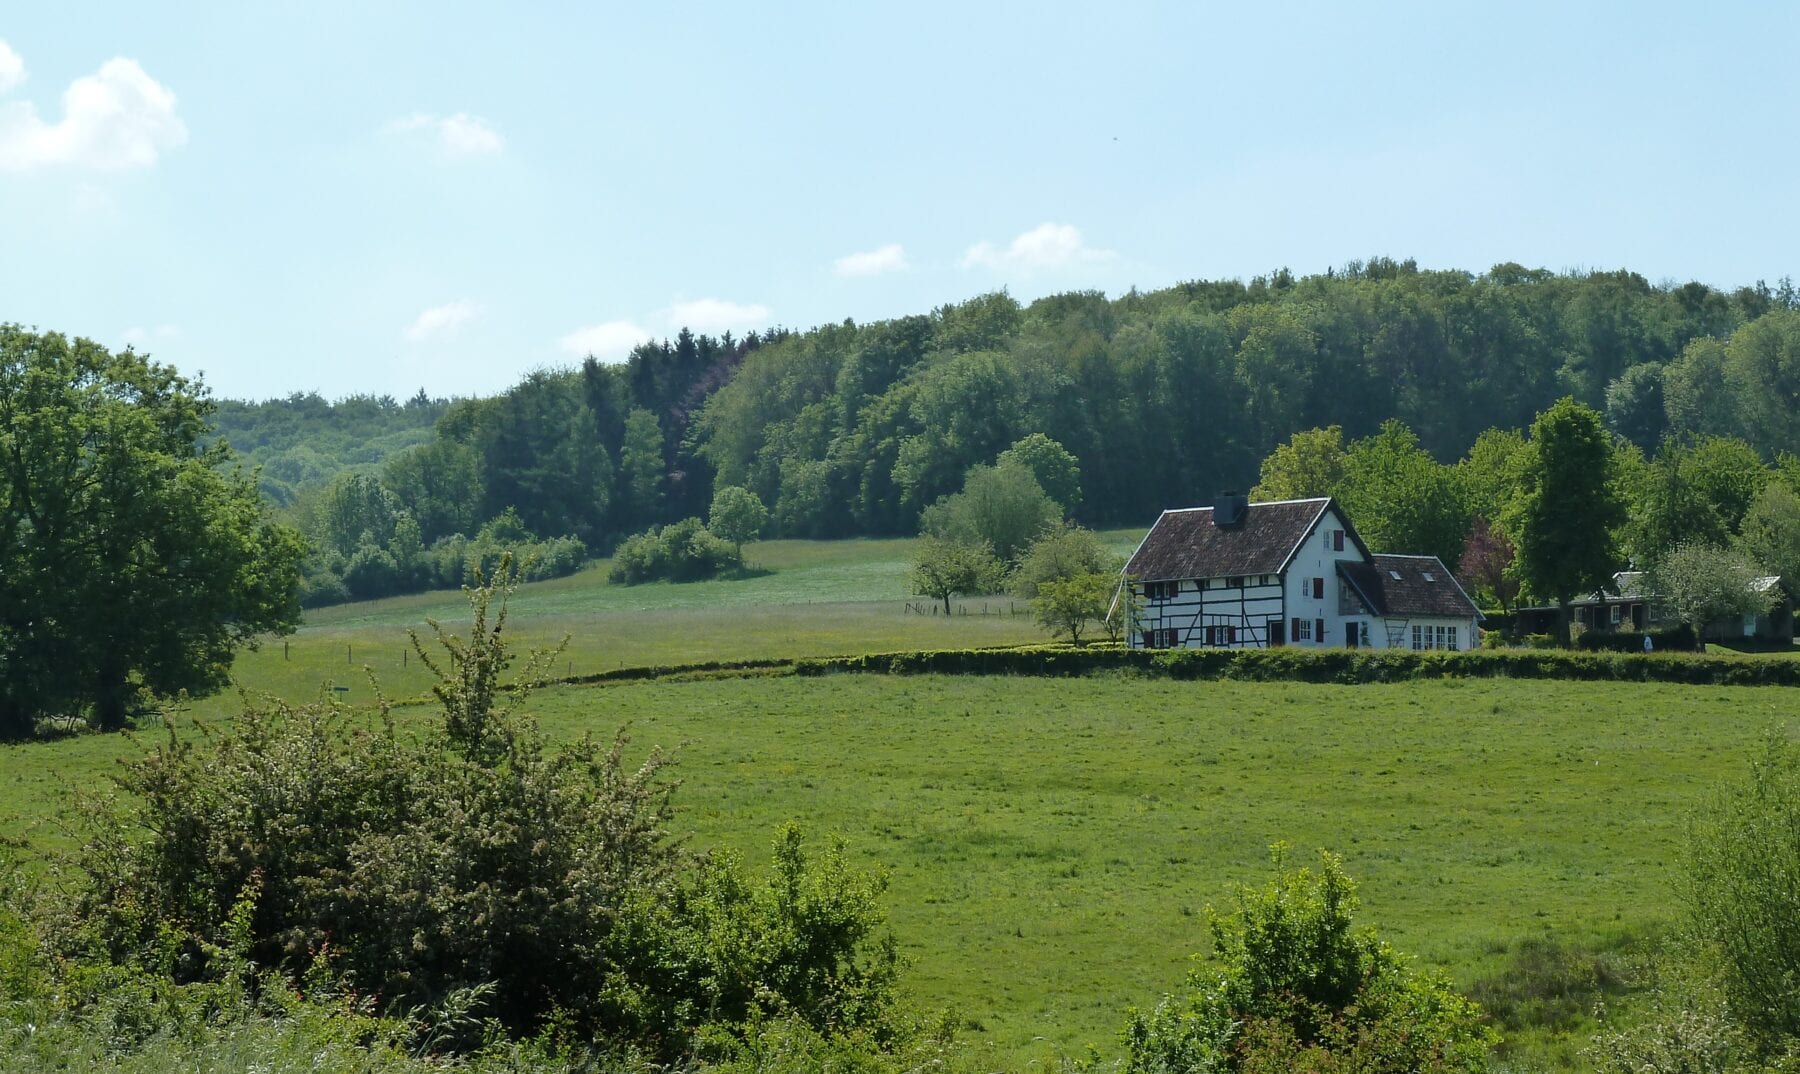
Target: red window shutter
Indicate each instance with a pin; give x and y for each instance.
(1318, 588)
(1337, 540)
(1319, 629)
(1296, 635)
(1231, 635)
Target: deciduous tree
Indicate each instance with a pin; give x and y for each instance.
(1568, 508)
(134, 558)
(737, 516)
(946, 568)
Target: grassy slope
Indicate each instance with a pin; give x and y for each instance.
(818, 598)
(1053, 842)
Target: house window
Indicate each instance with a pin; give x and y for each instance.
(1162, 638)
(1221, 635)
(1161, 591)
(1235, 583)
(1362, 633)
(1615, 614)
(1303, 630)
(1436, 637)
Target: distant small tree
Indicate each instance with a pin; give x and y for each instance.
(1567, 509)
(1486, 564)
(737, 516)
(1003, 506)
(1057, 471)
(1065, 606)
(1062, 552)
(1698, 583)
(1124, 611)
(1770, 535)
(945, 568)
(1310, 464)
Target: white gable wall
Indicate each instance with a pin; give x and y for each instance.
(1313, 570)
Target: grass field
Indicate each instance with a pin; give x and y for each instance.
(802, 598)
(1052, 843)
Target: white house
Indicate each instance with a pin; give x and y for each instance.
(1243, 575)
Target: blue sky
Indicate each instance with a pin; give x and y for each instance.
(378, 197)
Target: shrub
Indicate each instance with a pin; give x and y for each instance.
(1741, 883)
(1299, 988)
(679, 552)
(470, 866)
(1674, 639)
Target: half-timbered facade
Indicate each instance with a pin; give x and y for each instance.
(1240, 575)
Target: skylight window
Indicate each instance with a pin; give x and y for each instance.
(1396, 575)
(1430, 577)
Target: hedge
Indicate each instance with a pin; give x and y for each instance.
(1676, 639)
(1347, 666)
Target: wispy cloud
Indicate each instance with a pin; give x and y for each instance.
(12, 68)
(114, 119)
(1047, 246)
(459, 135)
(139, 336)
(443, 321)
(609, 342)
(889, 258)
(717, 315)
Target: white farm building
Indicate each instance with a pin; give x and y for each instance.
(1241, 575)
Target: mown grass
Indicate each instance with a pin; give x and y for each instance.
(1053, 844)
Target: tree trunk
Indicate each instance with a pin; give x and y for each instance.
(111, 694)
(1562, 621)
(946, 604)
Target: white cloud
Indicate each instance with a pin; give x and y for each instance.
(1047, 246)
(440, 321)
(460, 135)
(889, 258)
(717, 315)
(117, 118)
(609, 342)
(12, 68)
(139, 336)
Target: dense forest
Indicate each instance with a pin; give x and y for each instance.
(1164, 397)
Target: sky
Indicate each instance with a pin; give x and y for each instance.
(374, 198)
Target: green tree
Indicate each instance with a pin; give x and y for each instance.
(737, 516)
(641, 468)
(1002, 506)
(1065, 606)
(947, 568)
(134, 558)
(1634, 405)
(1567, 510)
(1699, 583)
(1062, 552)
(1310, 464)
(1296, 979)
(1403, 500)
(1770, 535)
(357, 511)
(1490, 471)
(1058, 473)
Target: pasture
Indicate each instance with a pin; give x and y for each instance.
(1052, 844)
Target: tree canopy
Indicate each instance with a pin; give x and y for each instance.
(134, 556)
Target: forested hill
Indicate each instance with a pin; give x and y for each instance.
(1164, 397)
(1167, 396)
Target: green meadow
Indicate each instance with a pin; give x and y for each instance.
(1053, 844)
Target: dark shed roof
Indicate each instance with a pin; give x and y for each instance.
(1411, 592)
(1185, 544)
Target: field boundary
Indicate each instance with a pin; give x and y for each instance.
(1345, 666)
(1340, 666)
